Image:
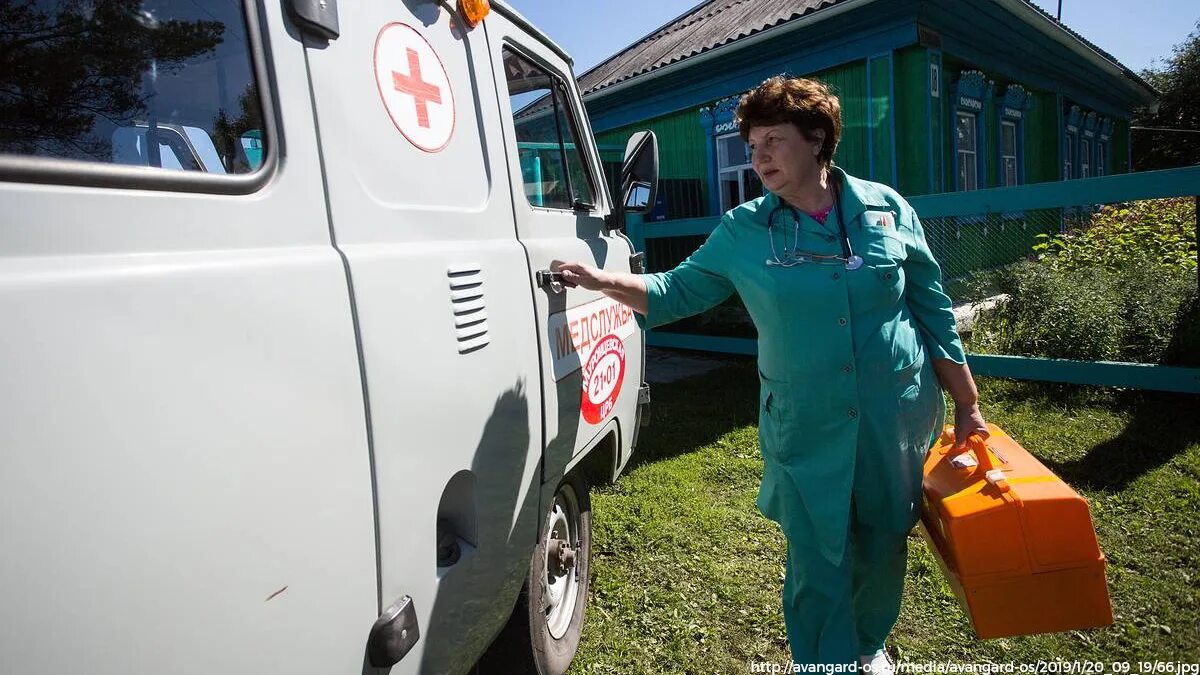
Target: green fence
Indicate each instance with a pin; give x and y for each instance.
(970, 233)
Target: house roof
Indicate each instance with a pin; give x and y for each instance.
(714, 23)
(708, 25)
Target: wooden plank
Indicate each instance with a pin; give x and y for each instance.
(704, 343)
(1097, 373)
(1104, 190)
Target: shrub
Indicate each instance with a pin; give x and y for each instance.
(1069, 314)
(1123, 289)
(1162, 231)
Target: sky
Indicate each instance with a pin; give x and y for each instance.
(1135, 31)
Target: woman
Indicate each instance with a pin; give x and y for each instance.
(855, 335)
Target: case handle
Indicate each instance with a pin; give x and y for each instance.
(989, 462)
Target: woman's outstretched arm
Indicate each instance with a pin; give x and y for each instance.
(627, 289)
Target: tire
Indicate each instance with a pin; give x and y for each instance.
(543, 632)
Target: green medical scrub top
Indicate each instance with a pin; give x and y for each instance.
(849, 402)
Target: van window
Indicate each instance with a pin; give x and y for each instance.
(553, 168)
(160, 83)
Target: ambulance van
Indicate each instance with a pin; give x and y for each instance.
(288, 381)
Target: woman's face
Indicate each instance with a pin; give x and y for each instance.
(783, 158)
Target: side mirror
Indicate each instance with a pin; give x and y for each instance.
(639, 173)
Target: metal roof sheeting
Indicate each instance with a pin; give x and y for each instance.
(714, 23)
(706, 26)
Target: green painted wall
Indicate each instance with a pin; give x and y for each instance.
(989, 130)
(681, 144)
(849, 82)
(879, 120)
(937, 112)
(1041, 139)
(950, 70)
(912, 125)
(1119, 150)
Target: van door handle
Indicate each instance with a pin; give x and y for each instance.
(551, 281)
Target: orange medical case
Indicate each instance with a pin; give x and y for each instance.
(1015, 541)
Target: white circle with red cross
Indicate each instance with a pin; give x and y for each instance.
(414, 87)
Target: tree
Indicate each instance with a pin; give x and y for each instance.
(1179, 108)
(62, 68)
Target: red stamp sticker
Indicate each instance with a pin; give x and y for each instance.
(602, 377)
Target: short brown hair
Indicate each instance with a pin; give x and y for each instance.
(808, 104)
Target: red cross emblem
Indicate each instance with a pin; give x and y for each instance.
(419, 98)
(422, 92)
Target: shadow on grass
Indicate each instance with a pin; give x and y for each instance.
(1161, 426)
(691, 413)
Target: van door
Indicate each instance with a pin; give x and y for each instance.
(590, 346)
(422, 211)
(185, 484)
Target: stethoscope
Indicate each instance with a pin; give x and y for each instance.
(793, 256)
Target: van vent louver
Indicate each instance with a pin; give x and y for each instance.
(469, 308)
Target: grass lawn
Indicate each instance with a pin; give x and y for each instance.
(687, 573)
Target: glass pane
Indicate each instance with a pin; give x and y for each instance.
(1068, 163)
(580, 182)
(966, 132)
(1010, 171)
(967, 171)
(730, 194)
(732, 151)
(752, 187)
(537, 118)
(161, 83)
(1009, 131)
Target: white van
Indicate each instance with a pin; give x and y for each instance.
(287, 382)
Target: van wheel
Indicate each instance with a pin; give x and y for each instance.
(543, 632)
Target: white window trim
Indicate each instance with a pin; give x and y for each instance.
(738, 169)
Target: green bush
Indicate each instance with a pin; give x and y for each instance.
(1162, 231)
(1122, 289)
(1068, 314)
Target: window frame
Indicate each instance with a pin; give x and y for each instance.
(1015, 157)
(1085, 159)
(1072, 141)
(596, 183)
(73, 172)
(739, 168)
(959, 152)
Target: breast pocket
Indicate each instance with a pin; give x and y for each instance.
(875, 286)
(880, 238)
